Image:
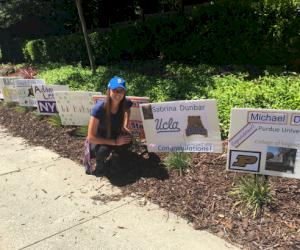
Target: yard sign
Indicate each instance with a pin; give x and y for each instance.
(45, 98)
(7, 89)
(265, 141)
(25, 91)
(74, 107)
(182, 126)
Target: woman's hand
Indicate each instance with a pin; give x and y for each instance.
(126, 130)
(123, 139)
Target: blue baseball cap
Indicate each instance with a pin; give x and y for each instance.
(116, 82)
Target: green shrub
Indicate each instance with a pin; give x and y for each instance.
(37, 115)
(55, 120)
(21, 109)
(10, 104)
(178, 161)
(81, 131)
(281, 92)
(226, 32)
(253, 193)
(35, 51)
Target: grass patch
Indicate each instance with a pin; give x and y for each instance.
(55, 120)
(252, 194)
(178, 161)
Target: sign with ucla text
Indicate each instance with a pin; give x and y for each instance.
(182, 126)
(25, 93)
(265, 141)
(135, 121)
(44, 95)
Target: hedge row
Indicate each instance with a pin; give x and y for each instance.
(262, 32)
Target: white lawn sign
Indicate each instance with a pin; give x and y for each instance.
(25, 93)
(135, 121)
(265, 141)
(45, 97)
(182, 126)
(74, 107)
(7, 89)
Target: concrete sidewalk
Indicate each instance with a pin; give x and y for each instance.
(47, 202)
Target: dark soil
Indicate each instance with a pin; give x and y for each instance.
(200, 195)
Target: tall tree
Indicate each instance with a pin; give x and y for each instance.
(86, 37)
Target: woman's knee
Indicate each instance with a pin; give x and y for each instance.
(102, 151)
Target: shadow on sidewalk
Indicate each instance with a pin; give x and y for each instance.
(134, 167)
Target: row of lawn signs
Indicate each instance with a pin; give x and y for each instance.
(30, 93)
(74, 107)
(260, 141)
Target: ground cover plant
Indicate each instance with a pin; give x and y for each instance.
(201, 194)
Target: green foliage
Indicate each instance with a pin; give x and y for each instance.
(55, 120)
(78, 78)
(10, 104)
(178, 161)
(21, 109)
(176, 81)
(81, 131)
(240, 32)
(281, 92)
(35, 51)
(252, 193)
(37, 115)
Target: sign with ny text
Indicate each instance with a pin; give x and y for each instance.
(182, 126)
(25, 93)
(265, 141)
(135, 121)
(45, 97)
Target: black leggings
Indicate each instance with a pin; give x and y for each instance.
(101, 152)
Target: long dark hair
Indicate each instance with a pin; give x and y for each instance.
(107, 107)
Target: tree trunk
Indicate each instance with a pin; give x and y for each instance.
(86, 37)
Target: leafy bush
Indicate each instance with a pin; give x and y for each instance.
(78, 78)
(81, 131)
(227, 32)
(21, 109)
(178, 161)
(35, 51)
(281, 92)
(10, 104)
(55, 120)
(253, 193)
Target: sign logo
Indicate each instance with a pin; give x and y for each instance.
(243, 160)
(166, 126)
(195, 126)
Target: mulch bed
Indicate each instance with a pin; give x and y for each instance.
(200, 195)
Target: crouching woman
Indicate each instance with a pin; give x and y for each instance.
(108, 130)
